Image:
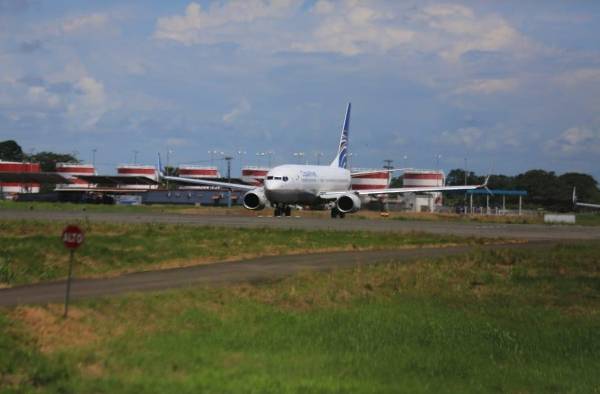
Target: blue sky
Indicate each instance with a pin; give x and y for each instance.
(508, 85)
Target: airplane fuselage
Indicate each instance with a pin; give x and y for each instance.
(301, 184)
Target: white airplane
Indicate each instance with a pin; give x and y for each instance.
(312, 185)
(583, 204)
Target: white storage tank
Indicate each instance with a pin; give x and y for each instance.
(139, 171)
(19, 187)
(188, 171)
(424, 178)
(254, 175)
(71, 171)
(362, 179)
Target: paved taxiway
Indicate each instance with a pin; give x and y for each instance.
(253, 270)
(528, 232)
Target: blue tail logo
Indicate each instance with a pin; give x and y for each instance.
(341, 160)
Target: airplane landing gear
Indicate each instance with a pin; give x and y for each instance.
(337, 213)
(285, 210)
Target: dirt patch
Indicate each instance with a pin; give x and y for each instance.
(51, 331)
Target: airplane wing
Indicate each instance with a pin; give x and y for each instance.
(588, 205)
(377, 171)
(582, 204)
(366, 192)
(161, 174)
(204, 182)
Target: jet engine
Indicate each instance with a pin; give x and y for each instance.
(348, 203)
(255, 199)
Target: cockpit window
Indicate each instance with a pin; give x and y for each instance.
(270, 177)
(277, 178)
(285, 178)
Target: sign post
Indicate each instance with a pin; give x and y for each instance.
(72, 237)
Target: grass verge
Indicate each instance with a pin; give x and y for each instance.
(32, 250)
(518, 321)
(585, 219)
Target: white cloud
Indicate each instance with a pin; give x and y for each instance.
(575, 140)
(488, 86)
(242, 108)
(39, 95)
(91, 21)
(456, 30)
(87, 108)
(351, 28)
(213, 24)
(483, 139)
(580, 76)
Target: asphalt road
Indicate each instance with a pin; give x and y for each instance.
(254, 270)
(529, 232)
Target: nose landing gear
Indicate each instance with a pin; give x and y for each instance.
(284, 210)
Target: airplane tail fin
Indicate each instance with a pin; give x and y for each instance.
(341, 159)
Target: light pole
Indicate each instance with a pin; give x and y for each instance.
(228, 159)
(298, 156)
(135, 153)
(269, 155)
(319, 155)
(437, 162)
(212, 154)
(258, 156)
(241, 152)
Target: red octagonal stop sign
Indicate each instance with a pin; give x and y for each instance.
(72, 237)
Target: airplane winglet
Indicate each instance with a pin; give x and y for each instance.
(485, 185)
(159, 167)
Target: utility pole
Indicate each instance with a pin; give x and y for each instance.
(135, 153)
(94, 158)
(228, 159)
(388, 164)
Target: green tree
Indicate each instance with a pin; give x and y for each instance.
(11, 151)
(587, 187)
(48, 160)
(456, 177)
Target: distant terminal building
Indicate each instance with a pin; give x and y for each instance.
(423, 202)
(369, 179)
(13, 187)
(135, 170)
(73, 171)
(188, 171)
(254, 175)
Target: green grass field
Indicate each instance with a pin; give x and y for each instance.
(494, 321)
(32, 250)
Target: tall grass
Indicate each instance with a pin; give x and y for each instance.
(493, 321)
(33, 251)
